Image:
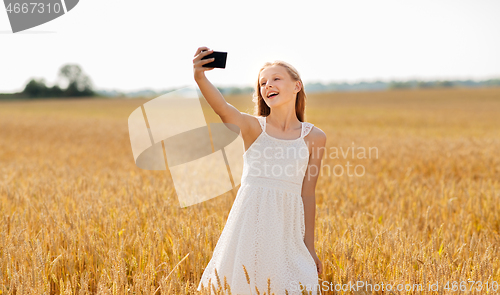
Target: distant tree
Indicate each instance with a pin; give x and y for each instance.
(248, 89)
(221, 90)
(35, 88)
(445, 84)
(71, 90)
(422, 84)
(400, 85)
(492, 82)
(56, 91)
(79, 84)
(234, 90)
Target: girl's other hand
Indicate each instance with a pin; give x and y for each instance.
(319, 264)
(198, 69)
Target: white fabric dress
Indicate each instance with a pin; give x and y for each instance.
(265, 227)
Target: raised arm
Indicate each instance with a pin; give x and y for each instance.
(227, 112)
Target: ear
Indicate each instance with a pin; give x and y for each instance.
(298, 87)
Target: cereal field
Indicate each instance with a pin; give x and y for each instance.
(77, 216)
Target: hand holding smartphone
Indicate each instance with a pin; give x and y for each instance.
(219, 61)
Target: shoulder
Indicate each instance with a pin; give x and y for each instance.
(258, 121)
(253, 117)
(252, 127)
(251, 120)
(317, 137)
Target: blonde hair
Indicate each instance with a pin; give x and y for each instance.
(262, 109)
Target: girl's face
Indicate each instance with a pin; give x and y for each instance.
(277, 87)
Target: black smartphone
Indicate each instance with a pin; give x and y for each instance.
(219, 61)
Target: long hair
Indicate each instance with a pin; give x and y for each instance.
(262, 109)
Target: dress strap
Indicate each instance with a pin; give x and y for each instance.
(262, 121)
(306, 128)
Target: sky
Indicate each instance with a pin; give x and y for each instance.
(133, 45)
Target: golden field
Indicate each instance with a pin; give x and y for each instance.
(77, 216)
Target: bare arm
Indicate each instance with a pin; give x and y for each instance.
(318, 142)
(227, 112)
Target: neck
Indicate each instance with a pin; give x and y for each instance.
(284, 120)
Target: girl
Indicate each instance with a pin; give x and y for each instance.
(269, 233)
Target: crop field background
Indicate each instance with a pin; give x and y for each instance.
(77, 216)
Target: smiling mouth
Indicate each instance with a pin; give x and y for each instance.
(272, 95)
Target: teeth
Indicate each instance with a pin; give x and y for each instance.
(269, 95)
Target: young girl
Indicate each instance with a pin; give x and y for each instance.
(269, 232)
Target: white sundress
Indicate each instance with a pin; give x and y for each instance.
(265, 227)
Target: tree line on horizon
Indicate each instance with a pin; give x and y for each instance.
(79, 85)
(377, 85)
(320, 87)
